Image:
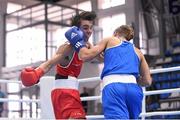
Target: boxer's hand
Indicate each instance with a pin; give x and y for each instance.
(76, 37)
(30, 76)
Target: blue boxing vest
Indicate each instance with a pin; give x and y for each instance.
(121, 59)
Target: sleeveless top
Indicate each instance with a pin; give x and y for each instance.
(72, 69)
(121, 59)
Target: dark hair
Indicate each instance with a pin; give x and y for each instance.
(76, 20)
(125, 31)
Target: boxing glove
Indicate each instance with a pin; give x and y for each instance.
(76, 37)
(30, 76)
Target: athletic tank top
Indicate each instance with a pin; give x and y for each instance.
(72, 69)
(121, 59)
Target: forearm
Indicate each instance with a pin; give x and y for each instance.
(145, 72)
(46, 66)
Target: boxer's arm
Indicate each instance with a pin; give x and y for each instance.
(86, 54)
(30, 76)
(62, 51)
(99, 57)
(145, 76)
(89, 45)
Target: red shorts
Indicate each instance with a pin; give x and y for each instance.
(67, 104)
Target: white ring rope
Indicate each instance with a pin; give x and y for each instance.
(162, 70)
(90, 98)
(9, 81)
(148, 114)
(146, 93)
(13, 100)
(18, 100)
(154, 92)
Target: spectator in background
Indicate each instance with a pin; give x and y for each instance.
(2, 95)
(84, 103)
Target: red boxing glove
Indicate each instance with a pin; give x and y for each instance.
(30, 76)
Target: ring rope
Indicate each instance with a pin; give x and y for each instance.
(18, 100)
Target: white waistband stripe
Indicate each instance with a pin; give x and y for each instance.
(66, 83)
(118, 78)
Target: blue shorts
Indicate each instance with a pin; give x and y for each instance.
(122, 101)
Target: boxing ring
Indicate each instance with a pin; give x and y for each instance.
(46, 84)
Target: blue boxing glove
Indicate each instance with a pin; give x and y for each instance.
(76, 37)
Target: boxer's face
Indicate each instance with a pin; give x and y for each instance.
(87, 27)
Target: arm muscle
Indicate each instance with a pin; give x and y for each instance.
(86, 53)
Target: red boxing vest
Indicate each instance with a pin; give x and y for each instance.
(72, 69)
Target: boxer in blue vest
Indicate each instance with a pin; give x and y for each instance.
(125, 71)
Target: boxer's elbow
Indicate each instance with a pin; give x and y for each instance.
(144, 81)
(148, 81)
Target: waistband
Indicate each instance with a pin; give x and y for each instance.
(70, 83)
(118, 78)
